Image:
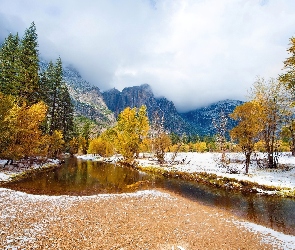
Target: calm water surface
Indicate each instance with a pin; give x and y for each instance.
(78, 177)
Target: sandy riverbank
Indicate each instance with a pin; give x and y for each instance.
(142, 220)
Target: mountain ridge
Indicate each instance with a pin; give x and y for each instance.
(103, 107)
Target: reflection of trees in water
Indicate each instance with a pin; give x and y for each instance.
(251, 209)
(276, 216)
(87, 177)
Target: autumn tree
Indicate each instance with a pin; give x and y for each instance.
(161, 144)
(249, 128)
(160, 140)
(23, 133)
(101, 146)
(6, 104)
(131, 129)
(270, 97)
(55, 144)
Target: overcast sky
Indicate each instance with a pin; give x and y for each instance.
(193, 52)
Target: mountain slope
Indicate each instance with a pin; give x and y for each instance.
(142, 95)
(103, 108)
(87, 99)
(201, 119)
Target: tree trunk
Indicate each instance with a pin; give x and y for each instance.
(293, 144)
(248, 155)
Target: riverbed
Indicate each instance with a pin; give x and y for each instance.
(83, 178)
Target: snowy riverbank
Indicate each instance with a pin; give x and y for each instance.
(9, 172)
(147, 219)
(279, 181)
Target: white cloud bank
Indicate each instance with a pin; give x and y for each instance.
(192, 52)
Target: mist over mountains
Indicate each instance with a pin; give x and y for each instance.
(104, 107)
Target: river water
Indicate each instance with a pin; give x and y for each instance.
(78, 177)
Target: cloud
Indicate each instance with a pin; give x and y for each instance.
(192, 52)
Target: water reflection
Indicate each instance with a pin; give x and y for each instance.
(77, 177)
(274, 212)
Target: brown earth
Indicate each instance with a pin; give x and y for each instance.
(157, 220)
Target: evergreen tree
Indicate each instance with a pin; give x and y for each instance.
(66, 113)
(29, 66)
(288, 78)
(10, 65)
(56, 95)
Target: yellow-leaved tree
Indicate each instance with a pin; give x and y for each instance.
(131, 130)
(6, 104)
(102, 146)
(23, 132)
(249, 128)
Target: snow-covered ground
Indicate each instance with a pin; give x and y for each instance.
(22, 201)
(283, 177)
(6, 172)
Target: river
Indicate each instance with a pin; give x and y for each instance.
(79, 177)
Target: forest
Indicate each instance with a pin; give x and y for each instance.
(37, 115)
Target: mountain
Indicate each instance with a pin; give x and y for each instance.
(142, 95)
(87, 99)
(201, 119)
(103, 107)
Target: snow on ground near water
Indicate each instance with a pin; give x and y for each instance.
(210, 163)
(283, 177)
(270, 236)
(277, 239)
(17, 195)
(5, 174)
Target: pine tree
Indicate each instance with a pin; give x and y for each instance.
(10, 65)
(66, 113)
(56, 95)
(29, 66)
(288, 78)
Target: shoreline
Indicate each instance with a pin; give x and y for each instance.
(12, 174)
(213, 175)
(232, 182)
(153, 219)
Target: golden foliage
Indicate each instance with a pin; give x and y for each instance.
(23, 134)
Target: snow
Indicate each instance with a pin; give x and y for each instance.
(66, 199)
(96, 157)
(9, 171)
(4, 177)
(276, 239)
(270, 236)
(282, 178)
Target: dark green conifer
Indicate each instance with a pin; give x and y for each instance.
(10, 65)
(29, 66)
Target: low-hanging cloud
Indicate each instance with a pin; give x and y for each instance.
(192, 52)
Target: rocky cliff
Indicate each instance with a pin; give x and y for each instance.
(103, 108)
(143, 95)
